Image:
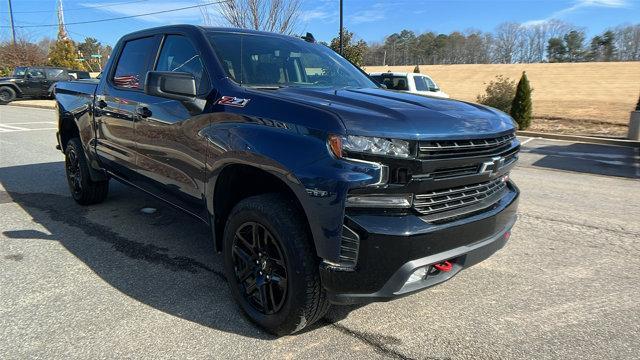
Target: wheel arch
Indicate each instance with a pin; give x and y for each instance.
(237, 180)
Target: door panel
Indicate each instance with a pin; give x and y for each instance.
(171, 153)
(115, 122)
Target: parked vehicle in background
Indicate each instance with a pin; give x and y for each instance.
(79, 74)
(35, 82)
(319, 186)
(410, 82)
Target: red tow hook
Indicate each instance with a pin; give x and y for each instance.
(444, 266)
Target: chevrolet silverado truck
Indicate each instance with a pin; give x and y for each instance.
(319, 186)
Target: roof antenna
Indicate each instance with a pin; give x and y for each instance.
(309, 38)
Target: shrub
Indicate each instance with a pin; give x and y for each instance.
(499, 93)
(521, 108)
(416, 69)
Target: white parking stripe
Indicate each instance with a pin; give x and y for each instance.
(33, 122)
(9, 127)
(23, 130)
(526, 141)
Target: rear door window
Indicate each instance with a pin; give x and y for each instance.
(134, 63)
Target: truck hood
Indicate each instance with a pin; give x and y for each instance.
(384, 113)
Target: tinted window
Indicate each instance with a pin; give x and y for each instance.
(258, 60)
(20, 71)
(394, 82)
(421, 83)
(35, 73)
(56, 74)
(180, 56)
(133, 64)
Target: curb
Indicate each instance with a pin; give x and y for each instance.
(585, 139)
(36, 106)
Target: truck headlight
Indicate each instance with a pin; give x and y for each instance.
(368, 145)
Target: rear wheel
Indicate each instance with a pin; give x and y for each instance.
(84, 190)
(271, 266)
(7, 95)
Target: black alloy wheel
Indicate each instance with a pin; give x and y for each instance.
(74, 175)
(260, 267)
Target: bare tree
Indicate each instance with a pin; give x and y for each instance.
(627, 41)
(23, 53)
(281, 16)
(507, 43)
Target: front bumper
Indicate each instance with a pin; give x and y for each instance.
(392, 247)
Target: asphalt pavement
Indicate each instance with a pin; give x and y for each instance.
(111, 281)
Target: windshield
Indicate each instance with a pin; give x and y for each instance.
(269, 61)
(19, 71)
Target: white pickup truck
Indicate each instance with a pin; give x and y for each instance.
(410, 82)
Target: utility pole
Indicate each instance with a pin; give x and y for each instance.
(341, 48)
(13, 29)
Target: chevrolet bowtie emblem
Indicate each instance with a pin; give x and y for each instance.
(492, 166)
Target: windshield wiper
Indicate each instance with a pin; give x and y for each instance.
(265, 87)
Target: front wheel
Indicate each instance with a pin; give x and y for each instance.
(84, 190)
(271, 266)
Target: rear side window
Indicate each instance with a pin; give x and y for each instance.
(179, 55)
(133, 64)
(394, 82)
(421, 83)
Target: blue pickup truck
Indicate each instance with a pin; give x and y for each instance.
(319, 186)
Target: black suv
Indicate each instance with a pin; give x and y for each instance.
(34, 82)
(319, 186)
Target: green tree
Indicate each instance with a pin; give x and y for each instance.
(352, 50)
(556, 50)
(416, 69)
(522, 108)
(499, 93)
(574, 44)
(64, 54)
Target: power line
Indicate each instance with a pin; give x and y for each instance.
(82, 8)
(122, 17)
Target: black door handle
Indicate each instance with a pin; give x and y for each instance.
(143, 112)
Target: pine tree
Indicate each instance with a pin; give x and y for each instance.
(416, 69)
(521, 108)
(64, 54)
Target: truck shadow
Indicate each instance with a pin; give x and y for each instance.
(588, 158)
(164, 260)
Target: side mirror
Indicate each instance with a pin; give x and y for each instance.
(171, 85)
(179, 86)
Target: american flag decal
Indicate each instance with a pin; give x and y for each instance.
(233, 101)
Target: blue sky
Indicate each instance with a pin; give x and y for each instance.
(371, 20)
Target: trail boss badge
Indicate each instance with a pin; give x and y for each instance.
(233, 101)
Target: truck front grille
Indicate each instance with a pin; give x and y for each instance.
(437, 149)
(449, 199)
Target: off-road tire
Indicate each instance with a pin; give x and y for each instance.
(306, 300)
(7, 95)
(83, 190)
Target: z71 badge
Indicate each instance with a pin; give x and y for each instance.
(233, 101)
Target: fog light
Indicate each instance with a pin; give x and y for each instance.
(417, 275)
(380, 201)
